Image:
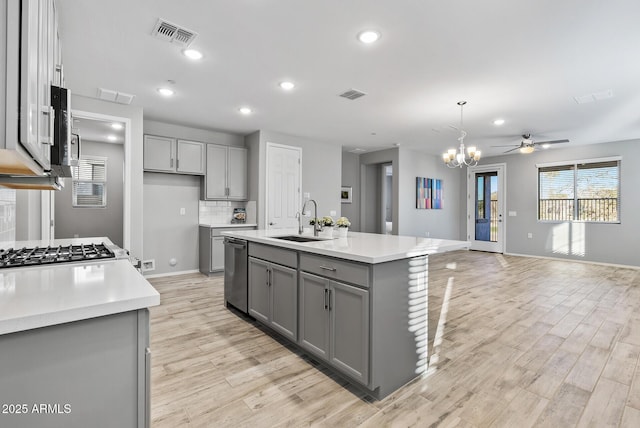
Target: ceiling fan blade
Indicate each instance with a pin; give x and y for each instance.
(515, 148)
(551, 142)
(507, 145)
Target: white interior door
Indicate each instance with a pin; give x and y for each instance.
(284, 176)
(485, 209)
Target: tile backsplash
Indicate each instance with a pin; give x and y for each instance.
(220, 212)
(7, 215)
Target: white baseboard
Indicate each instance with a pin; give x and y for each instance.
(574, 260)
(160, 275)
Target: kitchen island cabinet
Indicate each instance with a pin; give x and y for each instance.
(273, 288)
(362, 307)
(74, 345)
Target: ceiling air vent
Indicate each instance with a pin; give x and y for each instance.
(352, 94)
(165, 30)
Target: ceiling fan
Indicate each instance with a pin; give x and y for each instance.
(527, 145)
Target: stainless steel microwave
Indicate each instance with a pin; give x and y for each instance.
(65, 151)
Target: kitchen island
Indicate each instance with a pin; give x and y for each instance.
(359, 304)
(74, 343)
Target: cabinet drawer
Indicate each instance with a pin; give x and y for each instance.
(274, 254)
(343, 270)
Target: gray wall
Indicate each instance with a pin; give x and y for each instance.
(606, 243)
(321, 170)
(167, 234)
(88, 222)
(134, 114)
(443, 223)
(351, 177)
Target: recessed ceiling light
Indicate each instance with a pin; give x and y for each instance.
(368, 36)
(192, 54)
(287, 86)
(498, 122)
(112, 137)
(165, 92)
(117, 126)
(245, 110)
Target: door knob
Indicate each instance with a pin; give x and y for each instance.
(272, 223)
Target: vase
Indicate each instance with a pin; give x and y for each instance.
(327, 232)
(342, 232)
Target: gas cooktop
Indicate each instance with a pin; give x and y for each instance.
(37, 256)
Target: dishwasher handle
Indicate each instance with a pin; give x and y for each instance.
(235, 243)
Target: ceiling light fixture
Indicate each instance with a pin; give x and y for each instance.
(527, 149)
(286, 85)
(165, 92)
(117, 126)
(192, 54)
(369, 36)
(455, 159)
(245, 110)
(112, 137)
(498, 122)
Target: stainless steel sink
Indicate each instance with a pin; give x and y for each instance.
(298, 238)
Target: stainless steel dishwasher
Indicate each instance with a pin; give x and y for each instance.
(235, 273)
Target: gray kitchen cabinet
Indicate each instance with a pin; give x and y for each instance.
(226, 175)
(334, 324)
(27, 70)
(165, 154)
(211, 247)
(94, 372)
(273, 292)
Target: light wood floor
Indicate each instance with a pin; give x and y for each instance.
(516, 342)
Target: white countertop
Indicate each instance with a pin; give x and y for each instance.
(361, 247)
(225, 225)
(33, 297)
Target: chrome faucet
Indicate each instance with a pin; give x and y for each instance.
(299, 217)
(316, 221)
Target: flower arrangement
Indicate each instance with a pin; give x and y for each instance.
(343, 222)
(326, 221)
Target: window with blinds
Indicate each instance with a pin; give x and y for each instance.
(580, 191)
(90, 182)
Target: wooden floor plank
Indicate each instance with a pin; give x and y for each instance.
(529, 342)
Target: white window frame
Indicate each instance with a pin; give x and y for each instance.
(575, 163)
(75, 180)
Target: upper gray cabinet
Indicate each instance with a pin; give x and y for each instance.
(164, 154)
(226, 177)
(29, 64)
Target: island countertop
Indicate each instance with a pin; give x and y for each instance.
(362, 247)
(34, 297)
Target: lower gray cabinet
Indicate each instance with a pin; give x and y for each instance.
(334, 324)
(273, 295)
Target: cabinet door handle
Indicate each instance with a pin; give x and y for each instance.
(177, 163)
(326, 306)
(329, 299)
(332, 269)
(171, 163)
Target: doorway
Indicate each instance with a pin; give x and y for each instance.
(76, 210)
(284, 177)
(485, 212)
(377, 214)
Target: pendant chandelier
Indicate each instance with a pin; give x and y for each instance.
(455, 159)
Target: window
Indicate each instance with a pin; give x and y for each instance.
(580, 191)
(90, 182)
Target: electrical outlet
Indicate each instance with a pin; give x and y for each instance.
(148, 265)
(529, 235)
(332, 213)
(183, 211)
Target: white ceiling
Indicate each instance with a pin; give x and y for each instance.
(521, 60)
